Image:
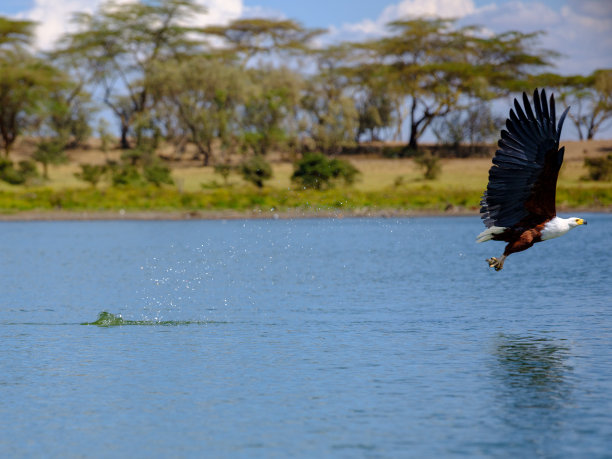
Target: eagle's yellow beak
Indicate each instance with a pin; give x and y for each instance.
(580, 221)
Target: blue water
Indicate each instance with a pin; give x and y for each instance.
(332, 338)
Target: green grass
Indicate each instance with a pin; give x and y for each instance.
(420, 196)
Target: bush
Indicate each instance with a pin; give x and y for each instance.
(157, 174)
(430, 165)
(17, 176)
(9, 174)
(125, 175)
(224, 171)
(599, 169)
(91, 173)
(50, 152)
(256, 170)
(316, 171)
(28, 170)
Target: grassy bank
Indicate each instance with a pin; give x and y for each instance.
(384, 184)
(420, 198)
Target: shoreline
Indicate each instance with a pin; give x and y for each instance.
(172, 215)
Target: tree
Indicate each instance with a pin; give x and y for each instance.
(428, 65)
(15, 33)
(49, 152)
(105, 137)
(252, 37)
(204, 94)
(25, 81)
(473, 125)
(591, 100)
(157, 174)
(224, 170)
(419, 61)
(120, 43)
(269, 115)
(91, 173)
(430, 165)
(66, 112)
(332, 118)
(256, 170)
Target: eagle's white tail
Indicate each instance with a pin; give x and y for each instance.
(488, 234)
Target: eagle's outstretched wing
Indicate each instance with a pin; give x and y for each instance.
(523, 178)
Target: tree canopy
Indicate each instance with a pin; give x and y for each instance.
(260, 84)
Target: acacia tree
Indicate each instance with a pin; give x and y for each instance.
(204, 94)
(420, 61)
(269, 115)
(332, 119)
(372, 100)
(119, 44)
(252, 37)
(25, 81)
(591, 100)
(430, 66)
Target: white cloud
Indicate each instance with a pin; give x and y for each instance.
(581, 30)
(582, 36)
(427, 8)
(54, 16)
(261, 12)
(408, 9)
(221, 11)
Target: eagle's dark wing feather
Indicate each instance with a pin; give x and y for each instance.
(523, 178)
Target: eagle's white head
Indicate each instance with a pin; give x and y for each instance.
(576, 221)
(559, 226)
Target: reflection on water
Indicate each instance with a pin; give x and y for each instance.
(533, 363)
(534, 389)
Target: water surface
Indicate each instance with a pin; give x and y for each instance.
(343, 338)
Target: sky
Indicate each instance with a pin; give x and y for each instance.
(580, 30)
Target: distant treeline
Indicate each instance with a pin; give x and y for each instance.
(257, 85)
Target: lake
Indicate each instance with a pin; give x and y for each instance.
(303, 338)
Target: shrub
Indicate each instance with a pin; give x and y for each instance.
(28, 170)
(430, 165)
(316, 171)
(256, 170)
(125, 175)
(224, 171)
(25, 171)
(50, 152)
(599, 169)
(9, 174)
(91, 173)
(157, 174)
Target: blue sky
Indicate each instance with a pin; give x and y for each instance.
(579, 29)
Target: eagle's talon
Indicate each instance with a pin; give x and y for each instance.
(496, 263)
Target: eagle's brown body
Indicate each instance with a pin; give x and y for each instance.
(520, 238)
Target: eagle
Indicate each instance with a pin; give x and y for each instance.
(518, 206)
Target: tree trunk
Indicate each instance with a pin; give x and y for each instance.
(412, 142)
(204, 152)
(414, 127)
(125, 144)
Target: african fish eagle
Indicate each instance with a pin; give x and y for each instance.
(518, 206)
